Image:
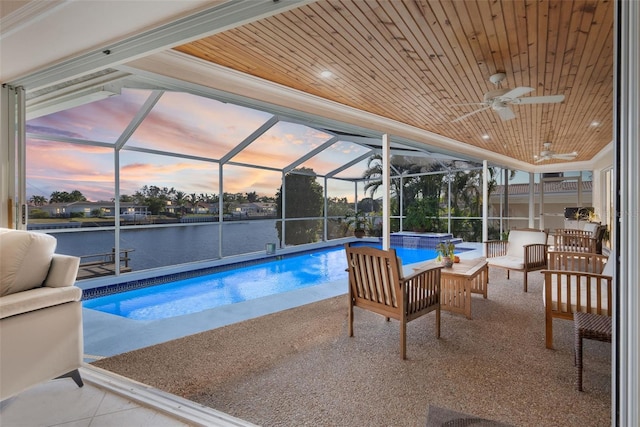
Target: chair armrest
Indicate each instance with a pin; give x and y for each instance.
(63, 271)
(535, 255)
(496, 248)
(37, 299)
(424, 272)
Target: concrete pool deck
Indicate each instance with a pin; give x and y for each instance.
(106, 335)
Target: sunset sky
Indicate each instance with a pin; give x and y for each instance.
(178, 123)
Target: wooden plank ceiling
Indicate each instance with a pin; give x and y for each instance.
(413, 60)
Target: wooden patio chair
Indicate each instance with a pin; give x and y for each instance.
(574, 240)
(376, 284)
(576, 282)
(526, 250)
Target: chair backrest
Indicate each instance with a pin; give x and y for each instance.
(26, 258)
(519, 238)
(575, 240)
(374, 275)
(577, 261)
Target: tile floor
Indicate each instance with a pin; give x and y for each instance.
(106, 400)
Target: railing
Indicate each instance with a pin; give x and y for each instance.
(103, 264)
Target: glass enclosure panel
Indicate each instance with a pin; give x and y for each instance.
(102, 120)
(341, 196)
(241, 237)
(424, 202)
(197, 126)
(335, 156)
(160, 246)
(356, 171)
(181, 206)
(250, 190)
(468, 229)
(90, 244)
(281, 145)
(68, 181)
(302, 231)
(170, 187)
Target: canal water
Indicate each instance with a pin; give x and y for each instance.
(158, 246)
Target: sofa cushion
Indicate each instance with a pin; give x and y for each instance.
(591, 227)
(519, 238)
(36, 299)
(63, 271)
(25, 259)
(509, 262)
(608, 267)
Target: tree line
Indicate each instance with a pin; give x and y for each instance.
(157, 198)
(423, 187)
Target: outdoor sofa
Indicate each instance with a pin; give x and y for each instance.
(40, 312)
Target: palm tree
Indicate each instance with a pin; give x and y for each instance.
(179, 199)
(38, 200)
(411, 187)
(193, 200)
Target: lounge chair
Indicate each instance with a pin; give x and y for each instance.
(526, 250)
(561, 295)
(376, 284)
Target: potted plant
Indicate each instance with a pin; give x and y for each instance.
(358, 222)
(445, 252)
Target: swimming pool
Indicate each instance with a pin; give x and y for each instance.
(228, 287)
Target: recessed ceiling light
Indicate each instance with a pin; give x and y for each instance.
(595, 123)
(485, 136)
(326, 74)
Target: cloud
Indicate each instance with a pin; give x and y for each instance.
(179, 123)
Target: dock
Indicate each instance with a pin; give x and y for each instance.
(103, 264)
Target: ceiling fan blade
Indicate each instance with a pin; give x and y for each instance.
(540, 159)
(471, 103)
(519, 91)
(567, 156)
(470, 114)
(551, 99)
(506, 114)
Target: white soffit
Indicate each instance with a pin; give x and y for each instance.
(35, 36)
(102, 51)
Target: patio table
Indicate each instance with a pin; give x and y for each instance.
(459, 282)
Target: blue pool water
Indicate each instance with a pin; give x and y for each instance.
(229, 287)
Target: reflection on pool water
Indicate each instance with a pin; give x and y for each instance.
(228, 287)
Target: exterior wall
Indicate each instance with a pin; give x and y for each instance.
(518, 214)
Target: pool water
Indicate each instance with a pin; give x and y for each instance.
(204, 292)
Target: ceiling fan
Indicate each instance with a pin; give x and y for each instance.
(548, 154)
(500, 99)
